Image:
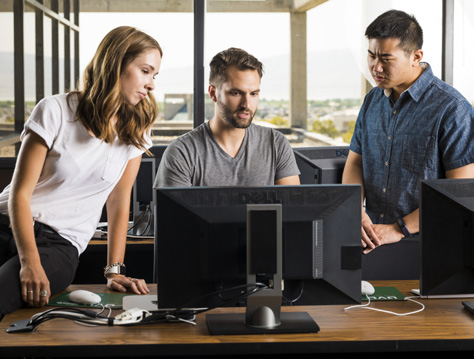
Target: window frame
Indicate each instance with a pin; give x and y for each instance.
(19, 8)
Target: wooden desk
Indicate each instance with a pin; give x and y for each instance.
(443, 326)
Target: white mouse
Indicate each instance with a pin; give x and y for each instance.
(82, 296)
(367, 288)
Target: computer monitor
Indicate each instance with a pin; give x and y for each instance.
(321, 165)
(447, 237)
(143, 194)
(7, 167)
(201, 243)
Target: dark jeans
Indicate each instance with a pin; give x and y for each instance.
(59, 259)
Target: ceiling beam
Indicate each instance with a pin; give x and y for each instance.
(137, 6)
(305, 5)
(182, 5)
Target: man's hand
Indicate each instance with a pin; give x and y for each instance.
(370, 239)
(389, 233)
(386, 234)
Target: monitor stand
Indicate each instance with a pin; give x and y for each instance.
(234, 324)
(264, 259)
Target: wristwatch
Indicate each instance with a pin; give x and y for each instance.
(403, 227)
(116, 268)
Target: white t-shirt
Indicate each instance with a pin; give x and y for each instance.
(79, 172)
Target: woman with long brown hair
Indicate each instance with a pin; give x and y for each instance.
(79, 151)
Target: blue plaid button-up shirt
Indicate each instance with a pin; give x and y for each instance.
(427, 132)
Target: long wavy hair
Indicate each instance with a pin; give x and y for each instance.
(101, 96)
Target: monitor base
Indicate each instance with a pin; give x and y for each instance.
(291, 322)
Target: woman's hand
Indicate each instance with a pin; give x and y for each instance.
(121, 283)
(35, 290)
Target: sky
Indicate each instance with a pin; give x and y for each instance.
(336, 24)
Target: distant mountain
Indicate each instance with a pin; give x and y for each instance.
(7, 84)
(331, 74)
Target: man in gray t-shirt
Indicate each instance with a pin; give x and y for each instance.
(229, 150)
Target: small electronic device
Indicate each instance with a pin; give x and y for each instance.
(469, 305)
(82, 296)
(150, 304)
(367, 288)
(143, 301)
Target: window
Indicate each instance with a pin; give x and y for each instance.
(338, 77)
(7, 91)
(37, 61)
(174, 83)
(463, 71)
(267, 37)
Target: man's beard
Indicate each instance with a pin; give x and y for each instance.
(231, 117)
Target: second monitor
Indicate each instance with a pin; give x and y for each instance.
(143, 196)
(321, 165)
(447, 237)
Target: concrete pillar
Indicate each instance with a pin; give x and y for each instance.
(365, 88)
(298, 76)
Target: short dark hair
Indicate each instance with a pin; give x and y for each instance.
(399, 25)
(232, 57)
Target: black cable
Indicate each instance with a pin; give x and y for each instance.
(47, 315)
(181, 313)
(257, 287)
(148, 211)
(300, 294)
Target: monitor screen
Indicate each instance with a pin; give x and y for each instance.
(447, 237)
(201, 243)
(321, 165)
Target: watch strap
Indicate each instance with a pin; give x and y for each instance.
(403, 227)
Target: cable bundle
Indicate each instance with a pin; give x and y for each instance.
(135, 316)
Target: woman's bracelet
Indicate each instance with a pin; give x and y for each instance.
(116, 268)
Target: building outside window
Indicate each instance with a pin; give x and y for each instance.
(330, 57)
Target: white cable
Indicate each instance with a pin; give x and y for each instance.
(181, 319)
(131, 316)
(366, 306)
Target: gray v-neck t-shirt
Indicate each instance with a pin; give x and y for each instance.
(196, 159)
